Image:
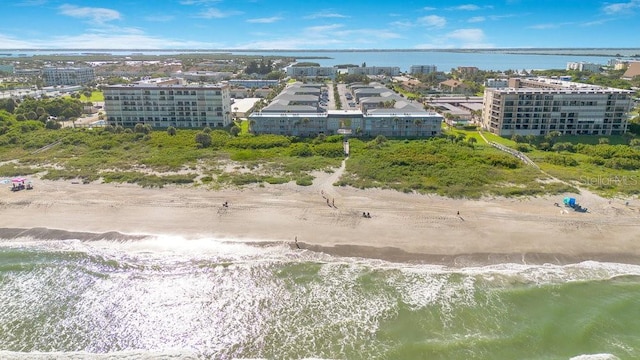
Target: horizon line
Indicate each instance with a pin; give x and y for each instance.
(303, 50)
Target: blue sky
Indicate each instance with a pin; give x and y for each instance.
(334, 24)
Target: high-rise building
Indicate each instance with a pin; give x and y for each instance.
(168, 104)
(53, 76)
(539, 106)
(422, 69)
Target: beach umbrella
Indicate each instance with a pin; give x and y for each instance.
(18, 180)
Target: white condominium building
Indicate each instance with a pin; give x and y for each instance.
(374, 70)
(163, 105)
(541, 105)
(584, 66)
(68, 76)
(312, 71)
(422, 69)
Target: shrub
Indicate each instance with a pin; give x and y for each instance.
(305, 181)
(52, 124)
(561, 160)
(300, 150)
(203, 139)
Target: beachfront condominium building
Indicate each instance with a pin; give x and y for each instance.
(168, 103)
(496, 83)
(539, 106)
(253, 83)
(374, 70)
(311, 71)
(54, 76)
(584, 66)
(297, 111)
(422, 69)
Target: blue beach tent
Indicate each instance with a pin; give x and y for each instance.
(569, 201)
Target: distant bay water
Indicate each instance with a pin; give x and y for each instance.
(444, 60)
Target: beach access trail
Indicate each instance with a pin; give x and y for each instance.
(323, 217)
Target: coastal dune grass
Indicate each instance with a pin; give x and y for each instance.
(450, 165)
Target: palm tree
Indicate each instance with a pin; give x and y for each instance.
(418, 124)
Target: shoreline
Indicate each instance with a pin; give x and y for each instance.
(390, 254)
(402, 228)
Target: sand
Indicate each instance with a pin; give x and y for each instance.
(402, 227)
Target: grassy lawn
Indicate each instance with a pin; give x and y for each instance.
(96, 96)
(244, 127)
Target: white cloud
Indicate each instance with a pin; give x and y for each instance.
(550, 25)
(469, 38)
(432, 21)
(122, 41)
(105, 41)
(213, 13)
(31, 3)
(617, 8)
(323, 28)
(198, 2)
(402, 24)
(99, 15)
(477, 19)
(268, 20)
(159, 18)
(326, 37)
(544, 26)
(428, 8)
(467, 7)
(467, 35)
(12, 43)
(322, 15)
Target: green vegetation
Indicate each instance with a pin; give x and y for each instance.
(457, 164)
(96, 96)
(454, 168)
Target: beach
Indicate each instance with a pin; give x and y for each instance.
(326, 218)
(113, 271)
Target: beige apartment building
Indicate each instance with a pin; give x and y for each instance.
(164, 104)
(542, 105)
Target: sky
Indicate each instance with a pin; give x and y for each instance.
(308, 24)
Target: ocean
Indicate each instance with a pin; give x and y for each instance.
(166, 297)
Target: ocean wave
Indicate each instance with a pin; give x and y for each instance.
(116, 249)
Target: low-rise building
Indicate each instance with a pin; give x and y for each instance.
(253, 83)
(27, 72)
(203, 76)
(633, 70)
(496, 83)
(382, 112)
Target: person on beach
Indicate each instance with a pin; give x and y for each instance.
(296, 242)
